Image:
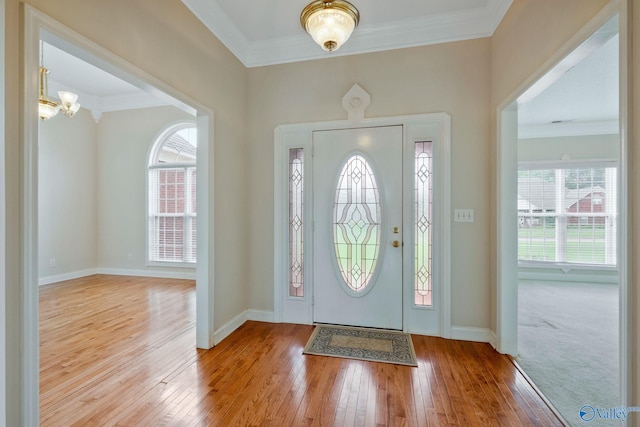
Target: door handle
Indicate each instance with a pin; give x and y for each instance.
(396, 243)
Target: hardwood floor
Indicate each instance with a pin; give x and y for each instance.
(121, 351)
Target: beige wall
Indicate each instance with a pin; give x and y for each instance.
(450, 77)
(92, 191)
(124, 138)
(585, 147)
(67, 194)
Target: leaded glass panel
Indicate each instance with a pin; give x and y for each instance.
(423, 273)
(296, 222)
(356, 223)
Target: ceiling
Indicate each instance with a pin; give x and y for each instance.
(97, 90)
(578, 96)
(269, 32)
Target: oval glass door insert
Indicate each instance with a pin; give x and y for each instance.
(356, 223)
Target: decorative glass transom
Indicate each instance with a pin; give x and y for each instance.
(423, 277)
(356, 223)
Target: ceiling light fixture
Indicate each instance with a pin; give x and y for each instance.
(68, 103)
(330, 22)
(48, 108)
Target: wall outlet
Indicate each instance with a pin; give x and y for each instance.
(52, 262)
(463, 215)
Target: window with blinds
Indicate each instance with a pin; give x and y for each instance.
(172, 196)
(568, 215)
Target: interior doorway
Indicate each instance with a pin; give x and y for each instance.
(562, 165)
(40, 27)
(568, 288)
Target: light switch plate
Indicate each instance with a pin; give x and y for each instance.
(463, 215)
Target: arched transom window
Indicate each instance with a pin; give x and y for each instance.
(172, 196)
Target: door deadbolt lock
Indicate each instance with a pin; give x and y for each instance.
(396, 230)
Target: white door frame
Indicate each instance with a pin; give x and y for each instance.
(435, 127)
(506, 219)
(37, 25)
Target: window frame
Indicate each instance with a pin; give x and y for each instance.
(574, 164)
(153, 152)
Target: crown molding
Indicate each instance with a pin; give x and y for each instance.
(217, 21)
(550, 130)
(455, 26)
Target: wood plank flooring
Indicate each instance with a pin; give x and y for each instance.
(120, 351)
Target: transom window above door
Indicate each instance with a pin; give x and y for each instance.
(171, 220)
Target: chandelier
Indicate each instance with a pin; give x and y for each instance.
(330, 22)
(48, 108)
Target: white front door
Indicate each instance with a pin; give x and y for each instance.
(357, 213)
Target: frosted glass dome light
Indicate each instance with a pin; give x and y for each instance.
(330, 23)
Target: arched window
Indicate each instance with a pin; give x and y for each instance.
(172, 196)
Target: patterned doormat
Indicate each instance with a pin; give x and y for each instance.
(362, 343)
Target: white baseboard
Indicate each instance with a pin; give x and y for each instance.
(261, 316)
(493, 340)
(471, 334)
(172, 274)
(228, 328)
(66, 276)
(168, 274)
(233, 324)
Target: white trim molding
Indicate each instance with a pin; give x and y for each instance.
(229, 327)
(232, 325)
(166, 274)
(47, 280)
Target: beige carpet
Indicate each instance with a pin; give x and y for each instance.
(362, 343)
(568, 343)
